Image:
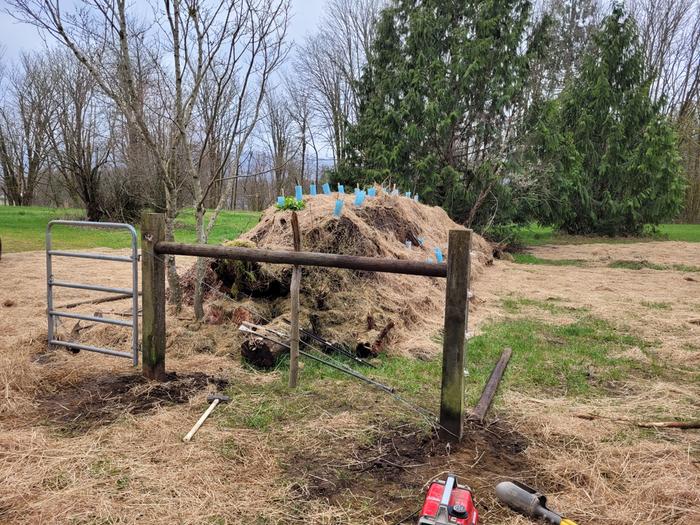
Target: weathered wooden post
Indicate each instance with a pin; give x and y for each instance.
(452, 397)
(294, 295)
(153, 300)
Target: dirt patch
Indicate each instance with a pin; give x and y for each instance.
(98, 401)
(396, 465)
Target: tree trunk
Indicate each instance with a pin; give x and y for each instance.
(93, 210)
(262, 353)
(200, 267)
(173, 279)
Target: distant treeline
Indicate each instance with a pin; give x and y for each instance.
(571, 112)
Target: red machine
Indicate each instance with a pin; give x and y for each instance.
(448, 503)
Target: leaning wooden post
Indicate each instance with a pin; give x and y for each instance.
(294, 294)
(452, 398)
(153, 300)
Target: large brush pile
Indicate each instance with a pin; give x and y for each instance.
(350, 307)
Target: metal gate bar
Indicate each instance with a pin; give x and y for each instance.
(133, 292)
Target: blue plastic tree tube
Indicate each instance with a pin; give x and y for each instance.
(312, 190)
(421, 241)
(409, 244)
(341, 188)
(338, 207)
(280, 201)
(372, 192)
(438, 255)
(415, 197)
(408, 194)
(359, 198)
(394, 193)
(326, 189)
(299, 192)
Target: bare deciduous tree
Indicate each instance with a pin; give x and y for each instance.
(24, 125)
(280, 140)
(331, 63)
(241, 41)
(299, 108)
(254, 49)
(80, 139)
(670, 33)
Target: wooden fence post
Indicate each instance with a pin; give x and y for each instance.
(452, 397)
(153, 300)
(294, 296)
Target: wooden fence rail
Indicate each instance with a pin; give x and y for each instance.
(456, 271)
(348, 262)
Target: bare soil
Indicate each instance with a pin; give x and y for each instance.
(84, 441)
(101, 400)
(400, 460)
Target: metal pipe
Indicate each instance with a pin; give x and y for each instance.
(49, 289)
(349, 262)
(93, 224)
(97, 256)
(349, 371)
(82, 317)
(89, 348)
(330, 346)
(527, 501)
(135, 298)
(93, 287)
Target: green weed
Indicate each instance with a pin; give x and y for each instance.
(515, 305)
(644, 264)
(656, 305)
(528, 258)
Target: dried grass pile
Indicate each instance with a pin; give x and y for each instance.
(352, 307)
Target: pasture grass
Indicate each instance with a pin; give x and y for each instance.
(528, 258)
(578, 359)
(24, 229)
(647, 265)
(537, 234)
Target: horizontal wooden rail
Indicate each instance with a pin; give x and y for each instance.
(350, 262)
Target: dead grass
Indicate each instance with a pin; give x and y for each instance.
(335, 451)
(338, 302)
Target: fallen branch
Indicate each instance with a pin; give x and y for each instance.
(100, 300)
(685, 425)
(482, 407)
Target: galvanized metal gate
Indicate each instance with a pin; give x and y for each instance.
(126, 292)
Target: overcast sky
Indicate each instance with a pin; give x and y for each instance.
(16, 37)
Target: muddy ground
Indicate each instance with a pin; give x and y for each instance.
(83, 440)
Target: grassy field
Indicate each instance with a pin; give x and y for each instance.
(588, 366)
(24, 229)
(536, 234)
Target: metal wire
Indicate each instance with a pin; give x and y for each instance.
(427, 415)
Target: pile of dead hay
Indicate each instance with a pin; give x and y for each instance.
(350, 307)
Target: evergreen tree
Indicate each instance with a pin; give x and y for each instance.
(436, 102)
(607, 156)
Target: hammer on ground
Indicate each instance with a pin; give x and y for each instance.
(214, 399)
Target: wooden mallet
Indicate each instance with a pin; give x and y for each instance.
(214, 399)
